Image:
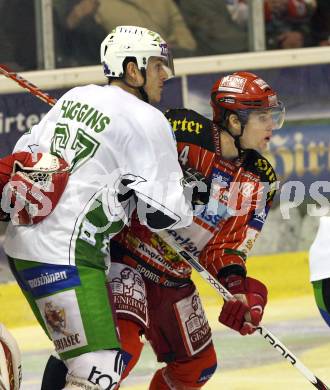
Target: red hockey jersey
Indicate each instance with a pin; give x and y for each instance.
(224, 230)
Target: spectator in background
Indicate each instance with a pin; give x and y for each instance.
(239, 11)
(162, 16)
(18, 35)
(288, 23)
(7, 51)
(213, 27)
(321, 24)
(78, 35)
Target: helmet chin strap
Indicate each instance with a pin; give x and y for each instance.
(144, 94)
(238, 145)
(237, 141)
(141, 89)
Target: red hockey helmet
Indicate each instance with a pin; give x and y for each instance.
(241, 93)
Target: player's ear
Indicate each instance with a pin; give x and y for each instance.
(133, 74)
(233, 122)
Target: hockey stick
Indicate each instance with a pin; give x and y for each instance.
(192, 260)
(27, 85)
(226, 295)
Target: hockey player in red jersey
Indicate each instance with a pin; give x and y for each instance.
(153, 292)
(226, 151)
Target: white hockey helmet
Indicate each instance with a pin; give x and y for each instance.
(133, 41)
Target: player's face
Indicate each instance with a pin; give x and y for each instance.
(258, 130)
(156, 75)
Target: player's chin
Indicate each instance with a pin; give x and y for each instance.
(264, 144)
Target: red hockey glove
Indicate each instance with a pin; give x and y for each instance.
(31, 186)
(245, 312)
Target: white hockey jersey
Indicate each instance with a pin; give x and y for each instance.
(106, 135)
(319, 253)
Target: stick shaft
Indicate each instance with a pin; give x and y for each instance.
(272, 340)
(27, 85)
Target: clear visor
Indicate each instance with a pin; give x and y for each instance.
(163, 63)
(278, 116)
(273, 117)
(169, 65)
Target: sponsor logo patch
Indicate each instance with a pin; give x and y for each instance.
(232, 83)
(61, 315)
(247, 244)
(128, 291)
(186, 125)
(261, 83)
(194, 327)
(164, 49)
(103, 379)
(186, 243)
(221, 177)
(217, 207)
(50, 278)
(210, 218)
(247, 189)
(206, 374)
(259, 219)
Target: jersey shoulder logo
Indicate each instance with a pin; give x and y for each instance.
(191, 127)
(257, 164)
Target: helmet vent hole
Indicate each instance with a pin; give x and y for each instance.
(255, 103)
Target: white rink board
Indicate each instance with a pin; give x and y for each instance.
(69, 77)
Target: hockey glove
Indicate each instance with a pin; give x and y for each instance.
(31, 186)
(197, 186)
(245, 312)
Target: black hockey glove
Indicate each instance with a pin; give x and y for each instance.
(197, 186)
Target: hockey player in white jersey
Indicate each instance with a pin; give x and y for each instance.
(122, 156)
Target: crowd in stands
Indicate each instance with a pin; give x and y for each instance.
(18, 43)
(193, 28)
